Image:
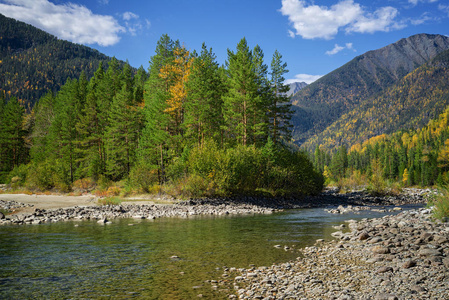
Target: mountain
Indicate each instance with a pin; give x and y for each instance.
(408, 104)
(295, 87)
(33, 62)
(323, 102)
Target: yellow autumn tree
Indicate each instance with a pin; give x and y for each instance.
(177, 73)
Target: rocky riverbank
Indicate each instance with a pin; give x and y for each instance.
(217, 206)
(104, 214)
(404, 256)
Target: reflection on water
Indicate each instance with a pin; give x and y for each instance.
(136, 259)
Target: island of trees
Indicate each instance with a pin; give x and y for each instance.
(187, 127)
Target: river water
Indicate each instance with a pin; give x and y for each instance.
(167, 258)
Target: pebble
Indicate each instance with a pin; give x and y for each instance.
(387, 264)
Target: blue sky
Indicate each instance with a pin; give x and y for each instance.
(314, 37)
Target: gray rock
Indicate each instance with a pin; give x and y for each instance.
(364, 236)
(429, 252)
(384, 270)
(380, 250)
(409, 264)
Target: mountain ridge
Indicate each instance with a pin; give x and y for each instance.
(412, 102)
(323, 102)
(34, 62)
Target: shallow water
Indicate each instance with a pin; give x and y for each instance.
(73, 260)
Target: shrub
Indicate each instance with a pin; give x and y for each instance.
(84, 185)
(110, 201)
(440, 204)
(142, 177)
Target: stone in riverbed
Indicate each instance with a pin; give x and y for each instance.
(409, 264)
(364, 236)
(384, 270)
(380, 250)
(2, 216)
(429, 252)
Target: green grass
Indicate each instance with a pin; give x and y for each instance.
(4, 211)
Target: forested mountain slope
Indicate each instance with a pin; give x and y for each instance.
(33, 62)
(323, 102)
(410, 103)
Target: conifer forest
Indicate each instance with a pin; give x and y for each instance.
(187, 127)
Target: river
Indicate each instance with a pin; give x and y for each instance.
(166, 258)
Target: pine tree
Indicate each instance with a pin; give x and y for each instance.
(153, 145)
(242, 94)
(44, 116)
(12, 135)
(280, 110)
(204, 118)
(122, 134)
(259, 117)
(91, 154)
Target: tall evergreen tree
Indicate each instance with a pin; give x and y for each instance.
(44, 116)
(122, 134)
(153, 145)
(12, 135)
(241, 97)
(204, 106)
(280, 111)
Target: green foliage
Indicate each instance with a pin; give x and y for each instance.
(189, 128)
(35, 62)
(344, 106)
(440, 204)
(410, 103)
(110, 201)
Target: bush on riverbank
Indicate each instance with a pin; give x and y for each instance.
(440, 205)
(203, 171)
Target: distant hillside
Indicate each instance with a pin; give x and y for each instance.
(409, 104)
(323, 102)
(33, 61)
(295, 87)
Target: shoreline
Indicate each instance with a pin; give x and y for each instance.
(403, 256)
(37, 209)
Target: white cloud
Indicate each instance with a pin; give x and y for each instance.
(422, 19)
(69, 21)
(313, 21)
(444, 8)
(129, 15)
(338, 48)
(133, 24)
(104, 2)
(415, 2)
(307, 78)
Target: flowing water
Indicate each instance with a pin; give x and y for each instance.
(168, 258)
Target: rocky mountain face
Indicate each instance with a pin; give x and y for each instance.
(410, 103)
(323, 102)
(295, 87)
